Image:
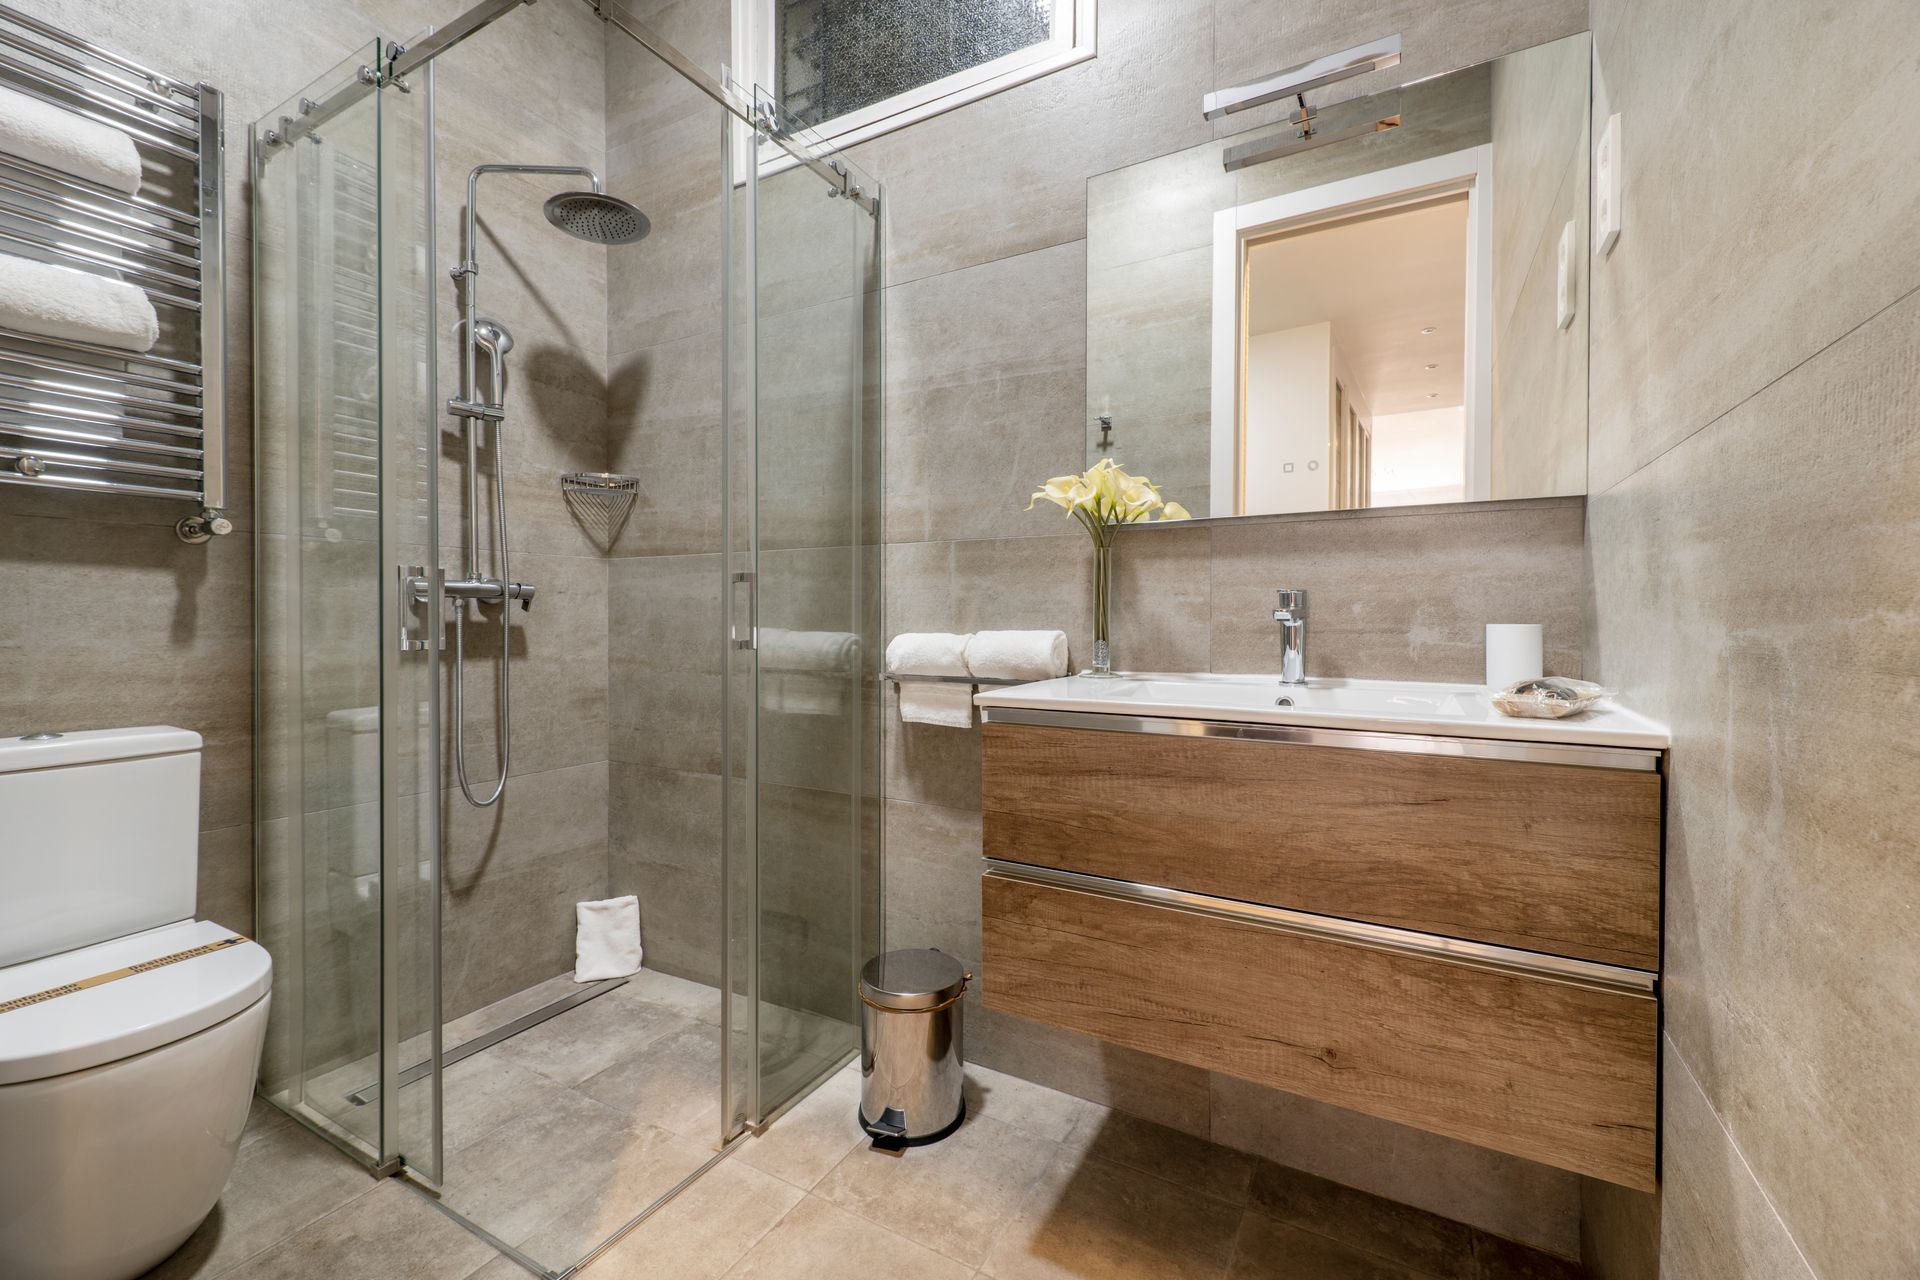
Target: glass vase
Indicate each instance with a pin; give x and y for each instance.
(1102, 610)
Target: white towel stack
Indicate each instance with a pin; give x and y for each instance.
(990, 655)
(606, 940)
(807, 673)
(1017, 655)
(934, 653)
(57, 138)
(60, 302)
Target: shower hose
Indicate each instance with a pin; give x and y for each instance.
(503, 714)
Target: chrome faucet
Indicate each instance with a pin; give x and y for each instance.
(1291, 614)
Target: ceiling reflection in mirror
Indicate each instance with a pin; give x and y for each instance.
(1393, 315)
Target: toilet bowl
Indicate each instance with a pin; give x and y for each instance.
(130, 1032)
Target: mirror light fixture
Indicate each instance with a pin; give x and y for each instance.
(1376, 55)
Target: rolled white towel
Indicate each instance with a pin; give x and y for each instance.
(932, 653)
(784, 650)
(1017, 655)
(60, 302)
(606, 942)
(57, 138)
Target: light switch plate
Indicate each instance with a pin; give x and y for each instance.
(1606, 187)
(1569, 274)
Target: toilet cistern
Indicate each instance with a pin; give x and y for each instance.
(1291, 613)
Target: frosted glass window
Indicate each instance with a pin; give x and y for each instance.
(836, 58)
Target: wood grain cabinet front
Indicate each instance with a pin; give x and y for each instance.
(1463, 937)
(1552, 1070)
(1548, 857)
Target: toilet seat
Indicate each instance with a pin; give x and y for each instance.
(130, 1015)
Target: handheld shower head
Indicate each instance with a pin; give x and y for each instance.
(596, 217)
(492, 337)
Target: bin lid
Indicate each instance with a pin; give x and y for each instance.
(910, 980)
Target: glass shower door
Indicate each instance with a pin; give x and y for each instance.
(805, 530)
(346, 827)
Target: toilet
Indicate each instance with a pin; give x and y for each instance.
(130, 1032)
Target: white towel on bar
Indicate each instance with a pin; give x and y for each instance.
(60, 302)
(932, 653)
(606, 939)
(828, 651)
(59, 139)
(1017, 655)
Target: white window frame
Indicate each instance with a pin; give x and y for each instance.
(1469, 170)
(1072, 42)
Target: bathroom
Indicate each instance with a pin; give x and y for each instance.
(793, 383)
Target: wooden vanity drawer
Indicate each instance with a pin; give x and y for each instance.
(1550, 857)
(1551, 1069)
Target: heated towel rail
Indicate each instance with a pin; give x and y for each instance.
(85, 417)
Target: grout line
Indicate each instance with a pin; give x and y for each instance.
(1755, 394)
(891, 284)
(1734, 1145)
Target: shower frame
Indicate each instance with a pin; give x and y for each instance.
(412, 626)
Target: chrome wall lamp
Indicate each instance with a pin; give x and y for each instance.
(1295, 82)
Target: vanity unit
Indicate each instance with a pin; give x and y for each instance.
(1387, 897)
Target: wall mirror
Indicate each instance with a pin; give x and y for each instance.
(1389, 311)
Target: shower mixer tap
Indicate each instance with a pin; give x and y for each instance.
(592, 216)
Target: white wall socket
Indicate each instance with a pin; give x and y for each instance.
(1606, 187)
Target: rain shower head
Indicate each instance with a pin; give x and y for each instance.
(597, 217)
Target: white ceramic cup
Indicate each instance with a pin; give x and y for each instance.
(1514, 653)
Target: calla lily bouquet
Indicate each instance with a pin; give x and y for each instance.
(1104, 497)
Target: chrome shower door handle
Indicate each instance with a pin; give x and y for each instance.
(750, 639)
(419, 589)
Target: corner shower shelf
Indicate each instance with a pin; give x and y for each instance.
(79, 415)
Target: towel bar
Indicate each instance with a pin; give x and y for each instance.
(907, 677)
(85, 417)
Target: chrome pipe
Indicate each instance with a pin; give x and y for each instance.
(94, 190)
(97, 395)
(98, 212)
(143, 118)
(68, 435)
(406, 59)
(71, 41)
(101, 486)
(96, 418)
(143, 94)
(157, 141)
(56, 365)
(213, 279)
(97, 349)
(94, 462)
(98, 259)
(123, 243)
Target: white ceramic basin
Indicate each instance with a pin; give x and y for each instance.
(1460, 710)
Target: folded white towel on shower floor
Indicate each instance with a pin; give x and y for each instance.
(606, 939)
(1017, 655)
(59, 139)
(932, 653)
(61, 302)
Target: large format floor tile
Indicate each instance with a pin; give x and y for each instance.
(1036, 1185)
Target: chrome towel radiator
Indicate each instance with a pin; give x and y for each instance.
(80, 416)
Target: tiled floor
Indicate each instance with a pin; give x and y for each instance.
(566, 1137)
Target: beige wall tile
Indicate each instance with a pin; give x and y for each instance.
(1742, 255)
(986, 382)
(1715, 1218)
(1402, 596)
(1791, 793)
(1007, 175)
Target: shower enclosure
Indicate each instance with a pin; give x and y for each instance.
(686, 709)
